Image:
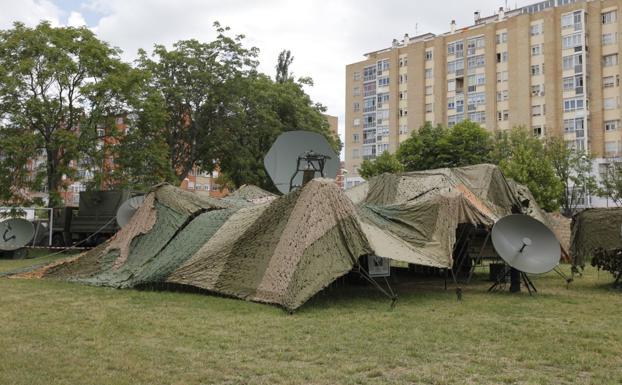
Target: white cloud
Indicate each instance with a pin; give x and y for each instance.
(323, 36)
(30, 12)
(76, 19)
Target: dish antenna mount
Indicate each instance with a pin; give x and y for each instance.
(296, 157)
(527, 246)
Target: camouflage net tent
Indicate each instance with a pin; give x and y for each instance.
(282, 250)
(594, 229)
(413, 217)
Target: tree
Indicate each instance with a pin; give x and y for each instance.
(611, 183)
(385, 163)
(525, 160)
(282, 66)
(59, 84)
(573, 168)
(263, 111)
(430, 147)
(196, 83)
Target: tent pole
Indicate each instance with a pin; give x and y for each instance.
(479, 257)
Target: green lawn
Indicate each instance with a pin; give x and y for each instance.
(62, 333)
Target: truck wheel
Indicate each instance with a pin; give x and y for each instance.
(58, 240)
(20, 253)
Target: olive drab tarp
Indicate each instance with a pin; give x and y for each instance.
(282, 250)
(413, 217)
(593, 229)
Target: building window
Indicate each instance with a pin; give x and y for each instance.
(451, 103)
(403, 112)
(537, 90)
(357, 122)
(502, 57)
(383, 100)
(536, 111)
(612, 125)
(355, 153)
(572, 41)
(403, 95)
(536, 29)
(611, 148)
(535, 70)
(573, 104)
(611, 81)
(356, 106)
(428, 73)
(356, 138)
(429, 55)
(503, 115)
(451, 85)
(573, 125)
(610, 60)
(502, 37)
(573, 62)
(428, 90)
(357, 76)
(502, 76)
(610, 17)
(476, 80)
(537, 131)
(369, 73)
(502, 96)
(536, 50)
(403, 129)
(611, 103)
(610, 38)
(429, 108)
(476, 62)
(383, 81)
(478, 117)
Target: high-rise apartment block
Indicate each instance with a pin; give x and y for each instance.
(552, 67)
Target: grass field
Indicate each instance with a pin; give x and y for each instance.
(62, 333)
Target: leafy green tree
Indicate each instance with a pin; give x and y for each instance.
(573, 168)
(264, 110)
(59, 84)
(430, 147)
(385, 163)
(525, 160)
(196, 83)
(16, 177)
(611, 183)
(282, 66)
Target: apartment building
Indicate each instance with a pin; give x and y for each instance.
(552, 67)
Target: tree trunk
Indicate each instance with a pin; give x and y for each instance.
(53, 179)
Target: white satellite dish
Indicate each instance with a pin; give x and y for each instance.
(526, 244)
(15, 233)
(296, 151)
(128, 208)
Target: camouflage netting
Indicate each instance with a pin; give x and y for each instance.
(413, 217)
(594, 229)
(282, 251)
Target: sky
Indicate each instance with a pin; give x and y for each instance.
(324, 36)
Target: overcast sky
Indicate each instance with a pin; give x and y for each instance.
(323, 36)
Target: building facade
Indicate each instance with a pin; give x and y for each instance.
(552, 67)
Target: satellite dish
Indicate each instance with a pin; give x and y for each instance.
(128, 208)
(15, 233)
(526, 244)
(295, 149)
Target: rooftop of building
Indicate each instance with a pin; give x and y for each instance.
(504, 13)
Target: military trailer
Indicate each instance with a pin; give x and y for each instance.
(92, 222)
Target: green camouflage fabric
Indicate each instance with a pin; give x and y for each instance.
(413, 217)
(282, 250)
(593, 229)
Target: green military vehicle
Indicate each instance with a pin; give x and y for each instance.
(92, 222)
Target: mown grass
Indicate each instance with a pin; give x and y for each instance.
(62, 333)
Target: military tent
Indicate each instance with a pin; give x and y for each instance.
(413, 217)
(593, 229)
(280, 251)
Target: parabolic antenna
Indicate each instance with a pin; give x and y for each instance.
(15, 233)
(295, 149)
(526, 244)
(128, 208)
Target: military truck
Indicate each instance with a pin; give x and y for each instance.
(95, 217)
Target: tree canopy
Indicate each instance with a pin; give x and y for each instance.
(524, 159)
(431, 147)
(385, 163)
